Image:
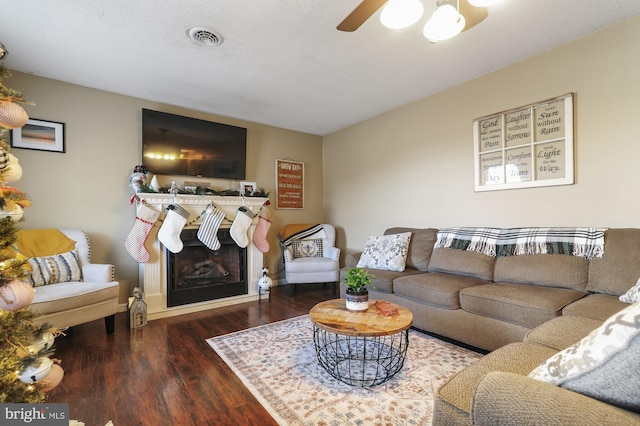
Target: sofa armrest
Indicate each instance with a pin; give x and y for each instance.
(98, 272)
(351, 260)
(288, 254)
(512, 399)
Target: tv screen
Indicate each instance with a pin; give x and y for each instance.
(177, 145)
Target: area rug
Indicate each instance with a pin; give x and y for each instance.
(277, 363)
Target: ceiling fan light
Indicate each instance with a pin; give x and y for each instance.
(445, 23)
(483, 3)
(399, 14)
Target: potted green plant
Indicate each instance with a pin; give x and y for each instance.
(357, 294)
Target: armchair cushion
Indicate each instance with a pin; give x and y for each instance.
(307, 248)
(55, 269)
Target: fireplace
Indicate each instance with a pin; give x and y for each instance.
(154, 274)
(198, 274)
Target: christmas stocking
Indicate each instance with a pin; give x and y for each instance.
(208, 231)
(264, 223)
(169, 233)
(240, 226)
(146, 217)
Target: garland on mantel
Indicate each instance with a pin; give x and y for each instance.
(201, 190)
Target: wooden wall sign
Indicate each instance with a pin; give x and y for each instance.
(289, 184)
(525, 147)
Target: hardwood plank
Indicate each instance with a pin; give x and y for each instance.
(166, 373)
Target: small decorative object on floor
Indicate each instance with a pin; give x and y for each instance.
(264, 283)
(137, 310)
(357, 294)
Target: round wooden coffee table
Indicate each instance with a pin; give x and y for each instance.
(360, 348)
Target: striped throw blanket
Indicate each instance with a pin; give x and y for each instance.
(582, 242)
(299, 232)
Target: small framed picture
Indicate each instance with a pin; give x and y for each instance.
(248, 188)
(39, 135)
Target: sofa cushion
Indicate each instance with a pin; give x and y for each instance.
(461, 262)
(434, 288)
(387, 252)
(618, 269)
(420, 246)
(382, 281)
(595, 306)
(550, 270)
(561, 332)
(603, 365)
(521, 304)
(454, 398)
(632, 295)
(55, 269)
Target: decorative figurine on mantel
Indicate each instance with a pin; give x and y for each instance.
(137, 310)
(138, 178)
(264, 283)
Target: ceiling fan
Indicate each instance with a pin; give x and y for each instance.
(473, 15)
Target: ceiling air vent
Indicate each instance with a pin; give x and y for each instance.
(205, 37)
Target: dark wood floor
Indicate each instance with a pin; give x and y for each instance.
(165, 373)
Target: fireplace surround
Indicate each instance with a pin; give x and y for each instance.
(154, 273)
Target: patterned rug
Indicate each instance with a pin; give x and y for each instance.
(277, 363)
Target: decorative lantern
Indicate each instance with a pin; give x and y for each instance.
(137, 310)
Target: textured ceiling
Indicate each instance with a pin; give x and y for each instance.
(282, 62)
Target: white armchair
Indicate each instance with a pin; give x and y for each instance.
(66, 304)
(312, 258)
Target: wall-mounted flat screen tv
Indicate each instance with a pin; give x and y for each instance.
(177, 145)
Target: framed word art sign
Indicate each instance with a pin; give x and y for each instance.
(525, 147)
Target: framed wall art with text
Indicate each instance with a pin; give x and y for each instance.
(525, 147)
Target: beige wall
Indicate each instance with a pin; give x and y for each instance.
(88, 186)
(413, 166)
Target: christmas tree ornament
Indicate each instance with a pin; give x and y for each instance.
(174, 221)
(146, 217)
(208, 231)
(43, 343)
(240, 226)
(52, 379)
(13, 171)
(262, 228)
(15, 295)
(12, 115)
(37, 370)
(14, 212)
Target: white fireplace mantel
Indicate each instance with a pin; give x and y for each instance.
(153, 274)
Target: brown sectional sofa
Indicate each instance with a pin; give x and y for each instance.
(522, 308)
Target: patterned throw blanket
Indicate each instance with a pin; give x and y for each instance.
(582, 242)
(300, 231)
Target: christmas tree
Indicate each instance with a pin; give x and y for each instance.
(26, 370)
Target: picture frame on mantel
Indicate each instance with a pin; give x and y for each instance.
(289, 184)
(524, 147)
(39, 135)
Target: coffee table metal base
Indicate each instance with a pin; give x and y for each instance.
(361, 361)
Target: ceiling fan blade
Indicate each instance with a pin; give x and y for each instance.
(472, 15)
(360, 15)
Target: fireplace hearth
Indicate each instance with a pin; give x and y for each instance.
(198, 274)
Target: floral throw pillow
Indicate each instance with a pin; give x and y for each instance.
(55, 269)
(604, 365)
(388, 252)
(307, 248)
(632, 295)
